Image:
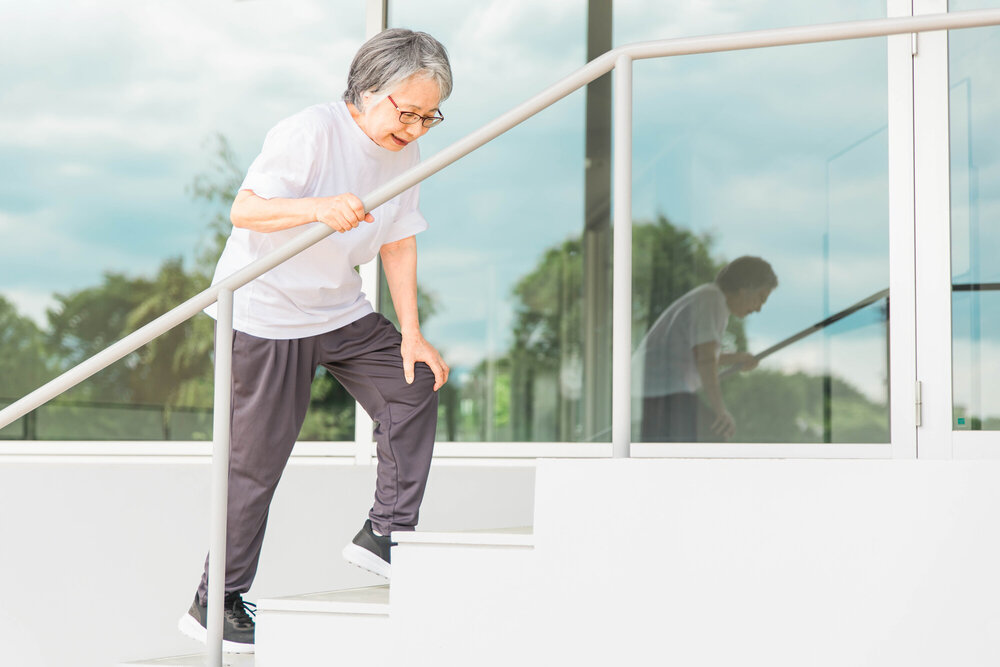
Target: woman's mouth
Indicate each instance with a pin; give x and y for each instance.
(399, 142)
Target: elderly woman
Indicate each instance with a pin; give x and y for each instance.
(310, 311)
(681, 354)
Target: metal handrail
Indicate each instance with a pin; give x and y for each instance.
(621, 59)
(808, 331)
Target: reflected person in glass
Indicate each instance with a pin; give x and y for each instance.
(310, 311)
(681, 354)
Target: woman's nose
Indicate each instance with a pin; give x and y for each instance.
(416, 130)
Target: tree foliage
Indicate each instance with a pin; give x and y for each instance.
(535, 391)
(24, 363)
(173, 374)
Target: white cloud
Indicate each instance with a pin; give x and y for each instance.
(30, 303)
(40, 258)
(857, 358)
(641, 20)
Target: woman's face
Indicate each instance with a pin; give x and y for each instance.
(747, 300)
(381, 121)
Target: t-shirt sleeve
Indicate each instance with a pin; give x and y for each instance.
(409, 220)
(705, 321)
(287, 162)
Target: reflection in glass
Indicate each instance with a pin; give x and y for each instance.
(682, 354)
(975, 223)
(502, 267)
(752, 154)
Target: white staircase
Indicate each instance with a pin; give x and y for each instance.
(333, 628)
(694, 563)
(350, 626)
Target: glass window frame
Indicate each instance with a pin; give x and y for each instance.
(920, 404)
(936, 436)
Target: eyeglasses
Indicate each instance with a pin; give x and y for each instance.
(409, 118)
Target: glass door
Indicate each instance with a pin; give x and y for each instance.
(801, 157)
(959, 294)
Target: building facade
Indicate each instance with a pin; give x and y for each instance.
(802, 155)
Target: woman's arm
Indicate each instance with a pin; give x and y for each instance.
(399, 260)
(342, 213)
(706, 361)
(745, 360)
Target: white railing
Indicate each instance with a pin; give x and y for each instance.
(619, 59)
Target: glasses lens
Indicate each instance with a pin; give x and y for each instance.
(408, 117)
(431, 122)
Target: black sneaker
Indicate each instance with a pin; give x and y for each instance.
(237, 623)
(370, 551)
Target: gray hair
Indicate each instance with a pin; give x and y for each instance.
(393, 56)
(748, 272)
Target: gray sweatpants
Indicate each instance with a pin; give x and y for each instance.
(271, 391)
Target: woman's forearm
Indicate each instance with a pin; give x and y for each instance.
(706, 361)
(270, 215)
(399, 261)
(342, 212)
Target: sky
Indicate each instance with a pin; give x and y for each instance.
(107, 113)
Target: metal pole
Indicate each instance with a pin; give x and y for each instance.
(597, 235)
(810, 34)
(621, 340)
(220, 475)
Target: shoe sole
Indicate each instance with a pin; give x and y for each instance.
(366, 560)
(193, 629)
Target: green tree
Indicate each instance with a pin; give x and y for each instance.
(667, 262)
(534, 390)
(86, 321)
(24, 364)
(546, 357)
(175, 368)
(770, 406)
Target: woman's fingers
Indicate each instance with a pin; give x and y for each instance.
(344, 212)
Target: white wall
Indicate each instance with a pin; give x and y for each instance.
(777, 563)
(712, 563)
(99, 559)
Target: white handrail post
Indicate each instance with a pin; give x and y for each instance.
(621, 346)
(220, 475)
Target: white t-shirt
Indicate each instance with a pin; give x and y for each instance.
(663, 363)
(319, 152)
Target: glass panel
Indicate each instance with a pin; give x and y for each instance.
(975, 221)
(779, 154)
(126, 127)
(501, 268)
(526, 326)
(642, 20)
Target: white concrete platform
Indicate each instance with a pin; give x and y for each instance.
(698, 563)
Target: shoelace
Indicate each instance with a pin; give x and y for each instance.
(243, 612)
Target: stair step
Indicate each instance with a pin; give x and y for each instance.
(367, 600)
(455, 578)
(334, 627)
(197, 659)
(520, 536)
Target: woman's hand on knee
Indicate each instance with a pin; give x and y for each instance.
(413, 349)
